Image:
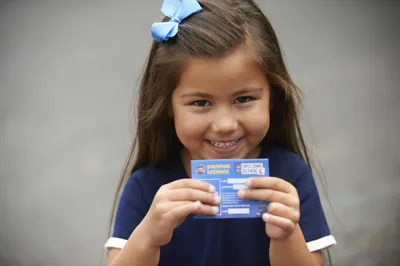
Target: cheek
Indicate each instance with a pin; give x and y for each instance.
(257, 123)
(188, 126)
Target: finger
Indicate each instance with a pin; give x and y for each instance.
(204, 209)
(190, 183)
(281, 210)
(283, 223)
(207, 210)
(189, 194)
(270, 183)
(180, 210)
(270, 196)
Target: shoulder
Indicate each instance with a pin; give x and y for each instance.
(288, 166)
(284, 161)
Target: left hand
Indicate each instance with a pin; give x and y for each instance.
(283, 212)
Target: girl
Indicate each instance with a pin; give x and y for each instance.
(216, 87)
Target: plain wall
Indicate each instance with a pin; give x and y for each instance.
(68, 72)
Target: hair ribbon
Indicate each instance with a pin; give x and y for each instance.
(176, 11)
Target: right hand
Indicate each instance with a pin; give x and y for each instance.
(173, 203)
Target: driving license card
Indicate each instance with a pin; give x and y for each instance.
(228, 176)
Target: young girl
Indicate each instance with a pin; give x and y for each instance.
(216, 87)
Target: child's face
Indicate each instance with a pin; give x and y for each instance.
(221, 108)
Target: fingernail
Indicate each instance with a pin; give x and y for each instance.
(265, 217)
(217, 200)
(241, 193)
(196, 204)
(248, 182)
(212, 189)
(215, 209)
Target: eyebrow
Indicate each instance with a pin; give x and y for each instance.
(207, 95)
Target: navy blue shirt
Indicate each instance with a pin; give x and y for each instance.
(222, 242)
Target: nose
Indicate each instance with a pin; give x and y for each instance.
(224, 121)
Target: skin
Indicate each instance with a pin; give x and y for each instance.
(220, 100)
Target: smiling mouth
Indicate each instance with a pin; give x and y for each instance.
(224, 144)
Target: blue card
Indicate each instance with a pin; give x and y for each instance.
(228, 176)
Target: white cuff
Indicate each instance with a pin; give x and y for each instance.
(321, 243)
(114, 242)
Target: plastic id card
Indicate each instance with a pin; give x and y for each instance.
(228, 176)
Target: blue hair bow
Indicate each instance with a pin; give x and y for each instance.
(177, 11)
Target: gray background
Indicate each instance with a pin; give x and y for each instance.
(68, 70)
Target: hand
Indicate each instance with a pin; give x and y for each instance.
(283, 204)
(173, 203)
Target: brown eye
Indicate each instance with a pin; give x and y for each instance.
(244, 99)
(201, 103)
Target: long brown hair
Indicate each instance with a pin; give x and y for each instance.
(221, 27)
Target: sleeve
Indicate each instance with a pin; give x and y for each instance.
(129, 214)
(312, 218)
